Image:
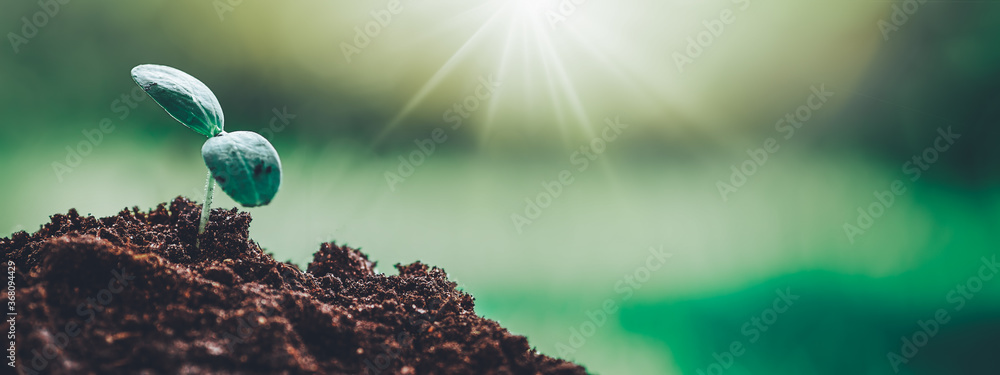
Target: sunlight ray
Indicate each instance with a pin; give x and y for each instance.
(553, 95)
(502, 74)
(567, 85)
(436, 79)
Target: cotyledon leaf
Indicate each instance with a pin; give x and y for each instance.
(184, 97)
(245, 165)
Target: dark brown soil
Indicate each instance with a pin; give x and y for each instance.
(131, 294)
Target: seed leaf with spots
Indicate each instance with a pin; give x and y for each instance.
(245, 165)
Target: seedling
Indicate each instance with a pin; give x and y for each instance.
(244, 164)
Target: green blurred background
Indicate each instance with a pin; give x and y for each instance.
(563, 69)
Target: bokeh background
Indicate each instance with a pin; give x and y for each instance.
(564, 67)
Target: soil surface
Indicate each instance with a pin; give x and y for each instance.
(131, 294)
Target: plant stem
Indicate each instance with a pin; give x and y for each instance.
(206, 208)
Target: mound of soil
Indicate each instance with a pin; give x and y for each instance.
(131, 294)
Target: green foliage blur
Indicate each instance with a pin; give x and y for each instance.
(578, 272)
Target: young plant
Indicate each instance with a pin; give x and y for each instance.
(244, 164)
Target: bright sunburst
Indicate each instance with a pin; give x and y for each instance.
(542, 50)
(565, 65)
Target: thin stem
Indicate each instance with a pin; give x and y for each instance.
(206, 208)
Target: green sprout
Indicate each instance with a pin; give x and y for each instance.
(244, 163)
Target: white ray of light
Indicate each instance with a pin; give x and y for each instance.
(529, 23)
(435, 80)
